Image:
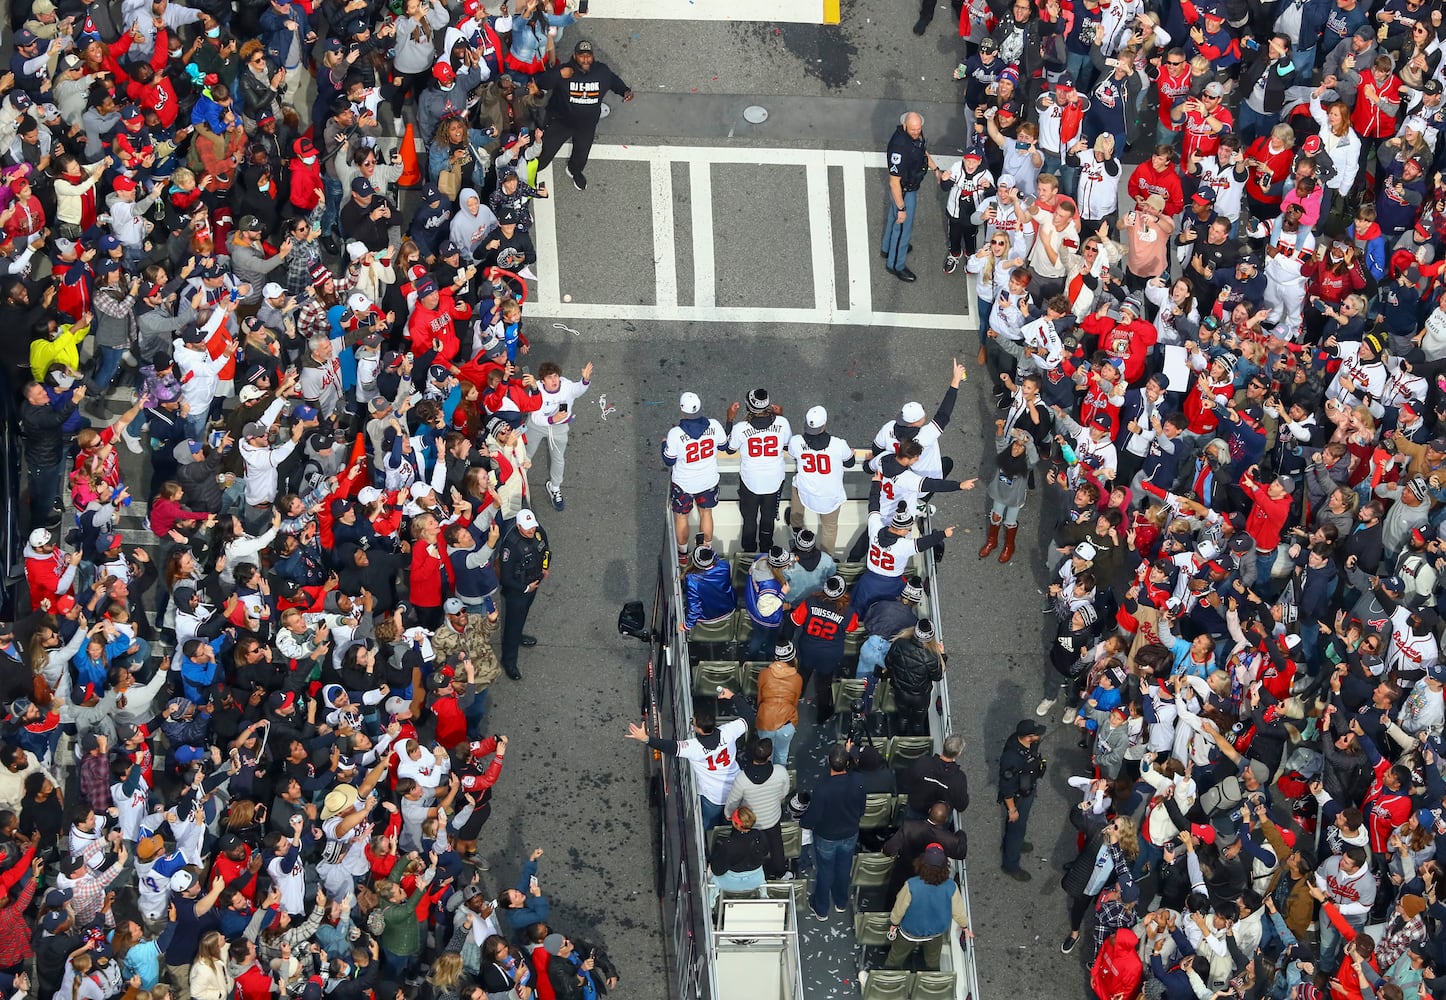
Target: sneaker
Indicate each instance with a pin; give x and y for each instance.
(579, 180)
(132, 442)
(1067, 945)
(840, 909)
(950, 264)
(925, 509)
(1042, 709)
(787, 876)
(556, 495)
(1070, 714)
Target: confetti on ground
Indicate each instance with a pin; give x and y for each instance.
(602, 403)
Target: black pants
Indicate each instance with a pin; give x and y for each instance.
(759, 512)
(557, 133)
(926, 9)
(777, 863)
(963, 234)
(516, 605)
(997, 361)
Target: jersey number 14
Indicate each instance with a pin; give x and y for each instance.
(719, 759)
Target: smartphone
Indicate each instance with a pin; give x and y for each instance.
(561, 407)
(1021, 145)
(582, 6)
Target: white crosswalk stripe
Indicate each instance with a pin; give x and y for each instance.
(814, 166)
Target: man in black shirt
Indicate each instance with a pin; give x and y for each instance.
(833, 815)
(1020, 768)
(366, 215)
(908, 162)
(575, 107)
(937, 778)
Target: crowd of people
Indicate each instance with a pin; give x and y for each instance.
(1205, 245)
(252, 755)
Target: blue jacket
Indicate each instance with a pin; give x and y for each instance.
(196, 678)
(1312, 23)
(930, 909)
(754, 590)
(708, 594)
(534, 909)
(278, 38)
(92, 671)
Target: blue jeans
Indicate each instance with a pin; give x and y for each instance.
(137, 424)
(985, 309)
(196, 425)
(396, 966)
(1252, 125)
(134, 661)
(871, 658)
(332, 211)
(476, 715)
(835, 859)
(895, 246)
(782, 740)
(712, 813)
(44, 486)
(1264, 561)
(760, 642)
(109, 367)
(1081, 69)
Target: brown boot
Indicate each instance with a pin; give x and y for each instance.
(982, 355)
(992, 541)
(1007, 553)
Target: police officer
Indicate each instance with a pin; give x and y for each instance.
(908, 163)
(577, 89)
(1020, 768)
(522, 561)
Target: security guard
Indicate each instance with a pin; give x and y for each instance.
(909, 162)
(1020, 768)
(522, 562)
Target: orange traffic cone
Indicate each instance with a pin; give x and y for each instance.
(411, 171)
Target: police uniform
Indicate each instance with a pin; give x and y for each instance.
(521, 562)
(908, 160)
(1020, 768)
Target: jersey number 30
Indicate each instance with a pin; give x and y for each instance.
(699, 451)
(813, 462)
(719, 759)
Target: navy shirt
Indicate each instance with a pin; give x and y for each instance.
(836, 808)
(908, 159)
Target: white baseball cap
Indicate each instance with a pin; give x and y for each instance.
(420, 489)
(1006, 181)
(368, 494)
(526, 519)
(815, 418)
(271, 290)
(182, 880)
(358, 302)
(689, 403)
(912, 412)
(39, 537)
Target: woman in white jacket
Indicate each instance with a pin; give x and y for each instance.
(210, 978)
(1174, 303)
(991, 266)
(1169, 780)
(1338, 141)
(239, 548)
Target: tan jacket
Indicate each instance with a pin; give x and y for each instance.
(779, 688)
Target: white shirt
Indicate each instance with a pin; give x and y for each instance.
(567, 393)
(695, 465)
(261, 464)
(291, 882)
(931, 462)
(760, 463)
(819, 473)
(889, 559)
(714, 770)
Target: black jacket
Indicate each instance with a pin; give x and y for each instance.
(909, 841)
(913, 669)
(1276, 83)
(741, 852)
(521, 560)
(44, 440)
(577, 101)
(933, 779)
(1020, 769)
(836, 808)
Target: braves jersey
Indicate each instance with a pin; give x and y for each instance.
(931, 462)
(899, 491)
(819, 473)
(1369, 378)
(760, 450)
(966, 191)
(1292, 250)
(1228, 183)
(1043, 337)
(714, 770)
(888, 558)
(695, 460)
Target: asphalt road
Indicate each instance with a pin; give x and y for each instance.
(839, 88)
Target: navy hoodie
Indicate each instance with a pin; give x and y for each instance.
(431, 221)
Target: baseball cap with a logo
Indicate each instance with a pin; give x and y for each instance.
(689, 403)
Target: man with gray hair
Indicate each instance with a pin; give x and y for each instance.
(937, 778)
(321, 375)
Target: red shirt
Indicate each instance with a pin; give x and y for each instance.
(1267, 516)
(1173, 90)
(430, 573)
(1146, 180)
(1276, 165)
(1367, 118)
(1198, 138)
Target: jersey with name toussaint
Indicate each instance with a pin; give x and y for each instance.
(714, 770)
(888, 558)
(819, 473)
(695, 465)
(760, 454)
(931, 462)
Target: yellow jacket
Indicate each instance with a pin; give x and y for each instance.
(64, 350)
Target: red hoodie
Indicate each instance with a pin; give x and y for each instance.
(1267, 516)
(1146, 180)
(430, 573)
(158, 95)
(1118, 971)
(432, 328)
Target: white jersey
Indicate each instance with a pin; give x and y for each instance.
(132, 808)
(1292, 251)
(567, 393)
(290, 882)
(931, 462)
(1369, 377)
(348, 851)
(695, 460)
(1229, 188)
(1044, 336)
(714, 770)
(760, 463)
(819, 473)
(900, 491)
(890, 559)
